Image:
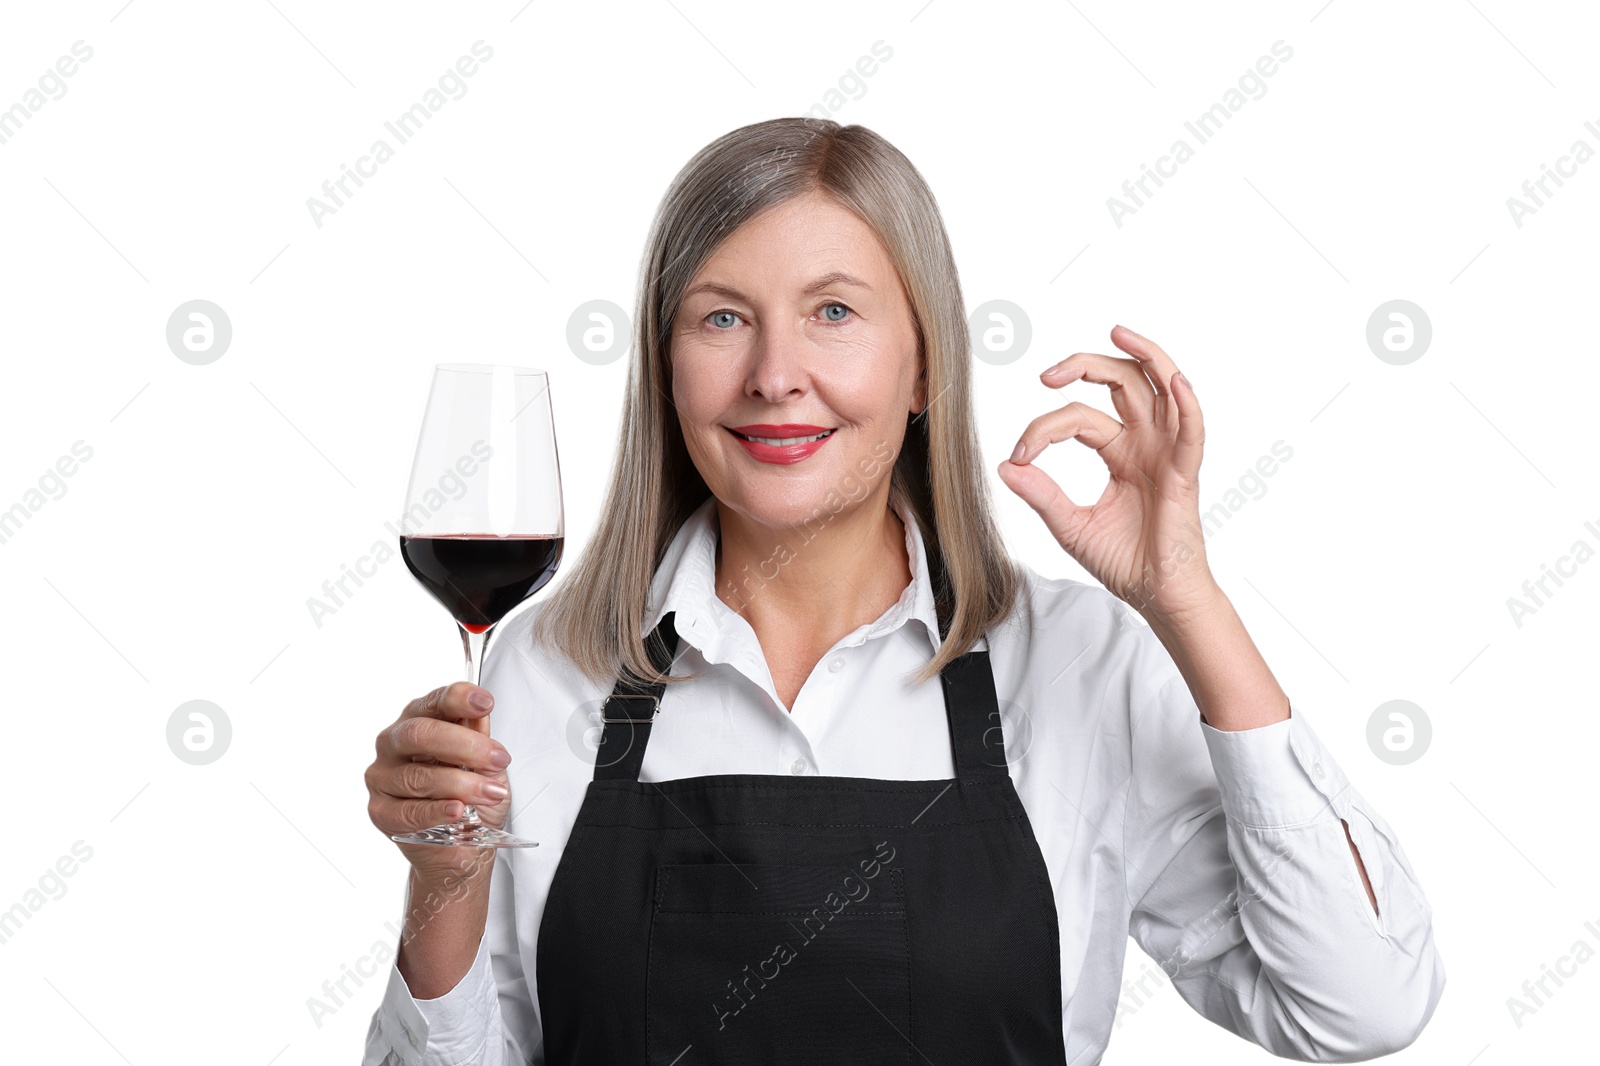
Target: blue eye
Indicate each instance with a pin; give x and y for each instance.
(828, 308)
(715, 315)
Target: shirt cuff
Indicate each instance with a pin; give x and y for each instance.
(443, 1031)
(1276, 776)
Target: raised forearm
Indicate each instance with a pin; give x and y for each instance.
(1225, 672)
(444, 923)
(1229, 679)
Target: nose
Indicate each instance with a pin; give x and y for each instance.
(779, 363)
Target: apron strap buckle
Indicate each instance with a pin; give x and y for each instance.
(655, 706)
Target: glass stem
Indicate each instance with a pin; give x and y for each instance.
(474, 644)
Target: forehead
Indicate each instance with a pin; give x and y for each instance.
(802, 236)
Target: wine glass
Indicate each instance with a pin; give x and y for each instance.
(482, 529)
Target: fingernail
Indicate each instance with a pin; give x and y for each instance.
(481, 700)
(495, 792)
(1016, 456)
(500, 758)
(1183, 378)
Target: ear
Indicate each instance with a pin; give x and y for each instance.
(919, 395)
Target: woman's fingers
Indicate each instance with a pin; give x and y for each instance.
(446, 741)
(424, 780)
(461, 699)
(1075, 421)
(1159, 367)
(1191, 429)
(1176, 400)
(392, 815)
(435, 759)
(1131, 392)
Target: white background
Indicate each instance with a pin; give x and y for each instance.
(1376, 565)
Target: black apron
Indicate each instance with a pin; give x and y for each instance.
(776, 920)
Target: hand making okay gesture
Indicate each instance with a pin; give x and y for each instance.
(1142, 538)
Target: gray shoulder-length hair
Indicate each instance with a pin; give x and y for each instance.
(596, 616)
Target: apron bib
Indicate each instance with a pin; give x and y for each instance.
(792, 921)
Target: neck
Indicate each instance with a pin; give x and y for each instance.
(814, 583)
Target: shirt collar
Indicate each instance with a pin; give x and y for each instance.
(685, 583)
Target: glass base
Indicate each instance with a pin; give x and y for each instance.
(469, 832)
(464, 835)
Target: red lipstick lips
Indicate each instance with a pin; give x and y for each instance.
(799, 437)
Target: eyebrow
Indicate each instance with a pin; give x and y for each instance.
(826, 281)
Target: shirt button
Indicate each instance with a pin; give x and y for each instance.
(836, 664)
(1317, 769)
(798, 766)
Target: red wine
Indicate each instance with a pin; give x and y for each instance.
(479, 577)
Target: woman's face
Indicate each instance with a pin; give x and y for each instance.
(798, 320)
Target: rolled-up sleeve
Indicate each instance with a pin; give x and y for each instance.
(490, 1017)
(1244, 890)
(461, 1026)
(487, 1019)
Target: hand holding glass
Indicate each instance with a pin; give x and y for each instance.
(483, 526)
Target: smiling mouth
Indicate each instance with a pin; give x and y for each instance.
(783, 442)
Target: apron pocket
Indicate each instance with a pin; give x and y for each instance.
(778, 963)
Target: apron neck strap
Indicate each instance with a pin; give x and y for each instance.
(626, 714)
(972, 713)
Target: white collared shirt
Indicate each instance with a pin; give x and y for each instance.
(1220, 852)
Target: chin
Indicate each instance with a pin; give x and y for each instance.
(780, 507)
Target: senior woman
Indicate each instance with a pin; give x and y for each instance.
(782, 843)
